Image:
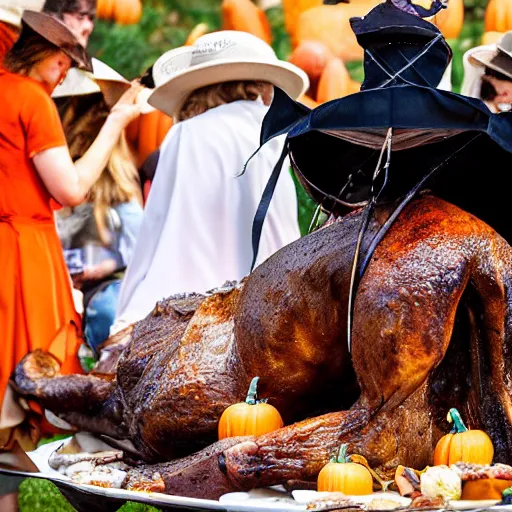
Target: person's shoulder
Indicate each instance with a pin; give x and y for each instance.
(24, 83)
(230, 117)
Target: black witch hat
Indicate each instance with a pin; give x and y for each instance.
(396, 137)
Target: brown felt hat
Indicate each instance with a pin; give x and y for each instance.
(499, 60)
(54, 31)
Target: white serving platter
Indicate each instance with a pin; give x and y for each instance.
(274, 499)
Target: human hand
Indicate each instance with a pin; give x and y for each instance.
(126, 110)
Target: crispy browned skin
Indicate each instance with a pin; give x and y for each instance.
(431, 331)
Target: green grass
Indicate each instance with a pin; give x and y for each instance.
(37, 495)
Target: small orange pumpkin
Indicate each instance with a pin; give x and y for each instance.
(199, 30)
(127, 12)
(341, 475)
(463, 445)
(243, 15)
(250, 418)
(491, 37)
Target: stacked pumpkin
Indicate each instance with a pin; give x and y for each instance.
(498, 16)
(124, 12)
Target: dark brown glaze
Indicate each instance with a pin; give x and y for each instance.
(431, 331)
(440, 277)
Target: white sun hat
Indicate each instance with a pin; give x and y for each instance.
(223, 56)
(103, 79)
(12, 10)
(499, 58)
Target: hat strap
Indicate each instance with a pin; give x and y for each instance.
(261, 212)
(392, 77)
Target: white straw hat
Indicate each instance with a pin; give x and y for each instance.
(223, 56)
(12, 10)
(103, 79)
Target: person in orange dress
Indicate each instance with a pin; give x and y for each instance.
(37, 172)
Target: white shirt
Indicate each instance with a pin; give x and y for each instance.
(197, 228)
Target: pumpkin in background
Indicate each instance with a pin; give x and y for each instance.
(329, 24)
(252, 417)
(498, 16)
(127, 12)
(341, 475)
(243, 15)
(335, 82)
(124, 12)
(293, 9)
(199, 30)
(449, 20)
(147, 132)
(491, 37)
(311, 57)
(105, 9)
(463, 445)
(308, 101)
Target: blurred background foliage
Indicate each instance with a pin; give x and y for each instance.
(165, 24)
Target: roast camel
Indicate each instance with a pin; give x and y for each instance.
(431, 331)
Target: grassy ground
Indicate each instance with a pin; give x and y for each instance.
(42, 496)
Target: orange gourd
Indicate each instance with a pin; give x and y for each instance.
(127, 12)
(105, 9)
(293, 9)
(199, 30)
(243, 15)
(308, 101)
(147, 132)
(329, 24)
(341, 475)
(484, 489)
(498, 16)
(252, 417)
(491, 37)
(312, 57)
(450, 20)
(463, 445)
(334, 81)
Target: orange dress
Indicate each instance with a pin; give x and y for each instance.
(8, 35)
(36, 303)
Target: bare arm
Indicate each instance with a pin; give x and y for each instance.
(69, 182)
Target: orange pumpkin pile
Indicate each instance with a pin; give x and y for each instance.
(253, 417)
(124, 12)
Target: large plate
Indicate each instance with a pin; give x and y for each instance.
(86, 497)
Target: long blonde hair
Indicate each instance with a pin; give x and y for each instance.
(215, 95)
(82, 118)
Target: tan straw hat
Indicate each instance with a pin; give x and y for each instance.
(499, 60)
(54, 31)
(103, 79)
(12, 10)
(223, 56)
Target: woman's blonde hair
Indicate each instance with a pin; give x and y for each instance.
(212, 96)
(82, 118)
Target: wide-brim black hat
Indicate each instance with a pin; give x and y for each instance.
(429, 138)
(57, 33)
